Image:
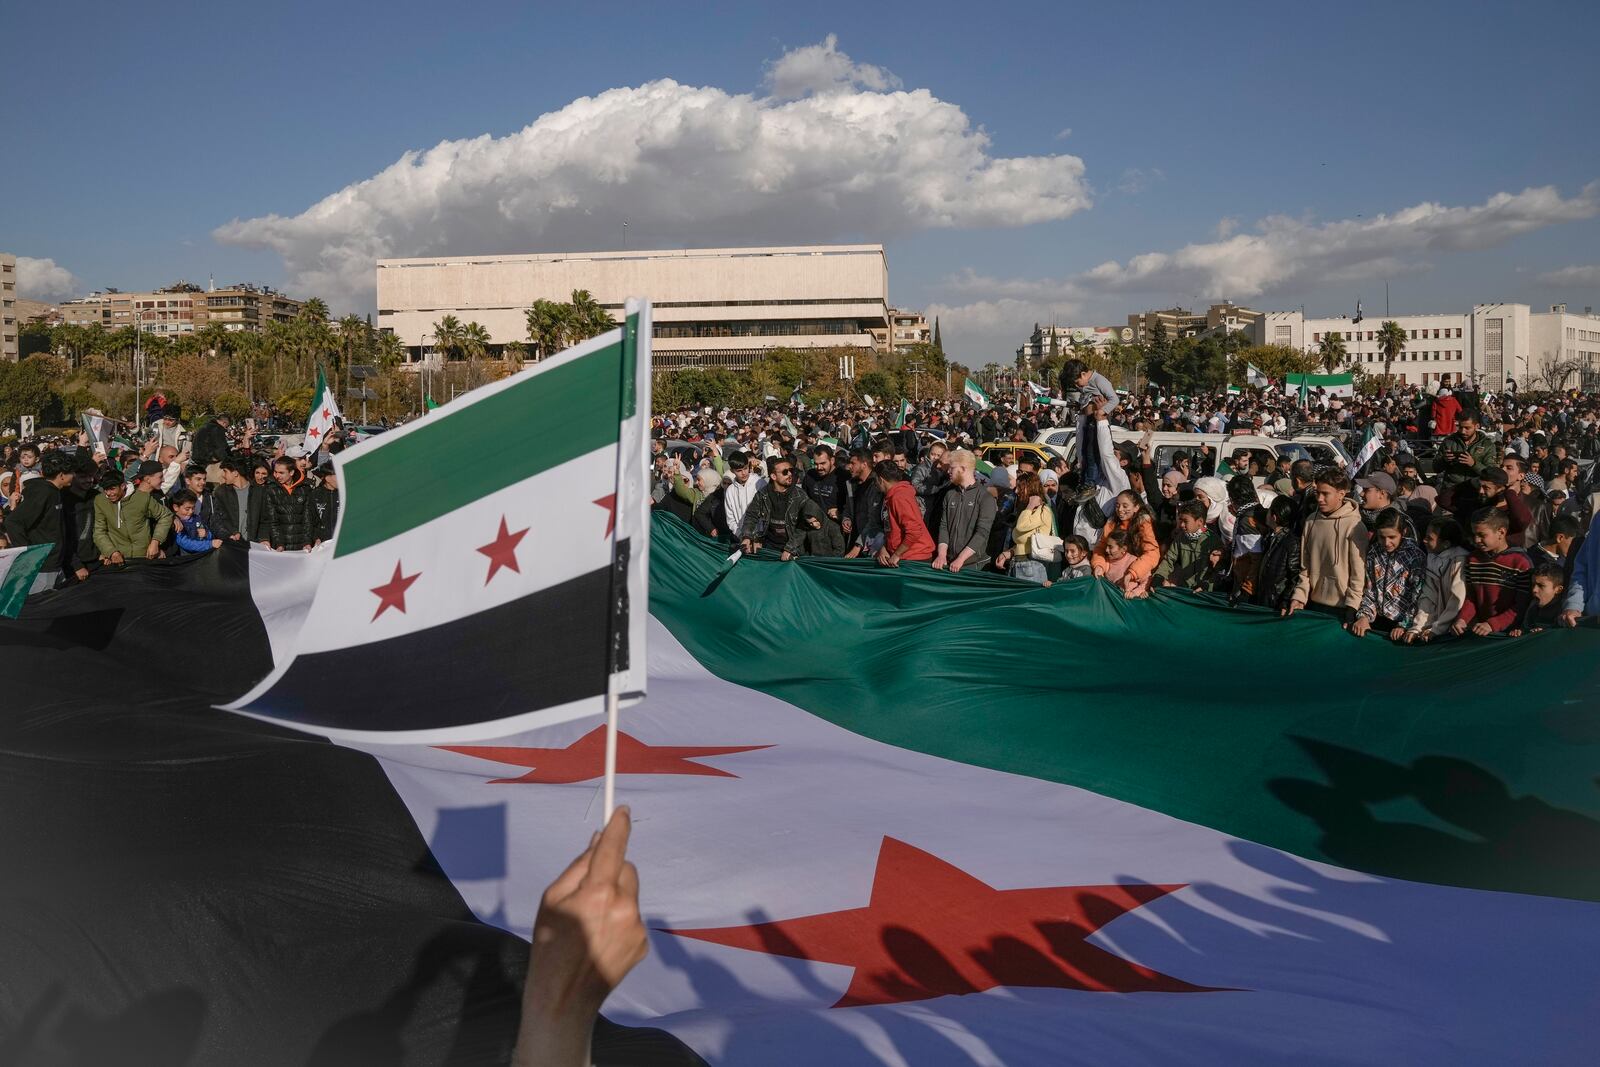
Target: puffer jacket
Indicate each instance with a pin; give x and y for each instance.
(1444, 590)
(1333, 553)
(289, 517)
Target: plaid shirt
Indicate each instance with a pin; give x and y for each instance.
(1394, 582)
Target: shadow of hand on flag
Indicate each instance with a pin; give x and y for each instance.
(1443, 819)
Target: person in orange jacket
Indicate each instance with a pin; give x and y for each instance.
(906, 534)
(1131, 516)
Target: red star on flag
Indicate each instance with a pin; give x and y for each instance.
(392, 594)
(931, 929)
(584, 759)
(327, 414)
(610, 504)
(313, 432)
(502, 551)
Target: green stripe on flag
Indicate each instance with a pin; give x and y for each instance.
(467, 451)
(1436, 765)
(18, 567)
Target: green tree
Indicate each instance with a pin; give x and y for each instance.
(29, 387)
(475, 346)
(1275, 361)
(1391, 342)
(588, 318)
(1331, 351)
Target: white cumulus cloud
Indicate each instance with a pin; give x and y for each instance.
(1587, 275)
(1280, 256)
(822, 68)
(833, 153)
(44, 279)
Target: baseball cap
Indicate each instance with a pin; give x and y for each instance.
(1378, 480)
(294, 452)
(145, 468)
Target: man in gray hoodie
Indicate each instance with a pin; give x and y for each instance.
(965, 518)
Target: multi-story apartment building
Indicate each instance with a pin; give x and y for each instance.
(182, 308)
(904, 328)
(8, 306)
(1180, 322)
(1046, 341)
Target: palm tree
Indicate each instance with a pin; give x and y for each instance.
(1391, 342)
(547, 327)
(589, 319)
(514, 352)
(474, 341)
(389, 352)
(1331, 351)
(447, 336)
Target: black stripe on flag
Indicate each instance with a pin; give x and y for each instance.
(539, 651)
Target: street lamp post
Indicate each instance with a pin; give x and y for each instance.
(138, 364)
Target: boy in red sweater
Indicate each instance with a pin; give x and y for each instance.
(905, 534)
(1496, 576)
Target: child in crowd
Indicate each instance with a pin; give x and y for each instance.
(1397, 568)
(1249, 535)
(1544, 603)
(1075, 555)
(1192, 559)
(1280, 556)
(1115, 550)
(1496, 575)
(1132, 518)
(192, 537)
(1444, 589)
(1333, 550)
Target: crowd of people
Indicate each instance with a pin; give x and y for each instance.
(1470, 517)
(111, 504)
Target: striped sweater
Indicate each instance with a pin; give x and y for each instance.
(1498, 589)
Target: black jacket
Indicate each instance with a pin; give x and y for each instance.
(36, 520)
(289, 520)
(866, 512)
(326, 501)
(220, 512)
(209, 444)
(710, 518)
(1280, 570)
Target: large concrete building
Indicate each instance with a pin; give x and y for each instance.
(1488, 344)
(1564, 348)
(713, 307)
(182, 308)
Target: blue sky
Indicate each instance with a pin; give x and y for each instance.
(1377, 136)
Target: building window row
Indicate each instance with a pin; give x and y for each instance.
(1412, 357)
(759, 328)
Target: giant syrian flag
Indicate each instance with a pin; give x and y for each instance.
(881, 818)
(484, 564)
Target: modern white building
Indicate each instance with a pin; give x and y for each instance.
(1489, 344)
(713, 307)
(1046, 341)
(1564, 348)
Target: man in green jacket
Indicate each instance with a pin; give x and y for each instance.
(1191, 561)
(128, 525)
(1467, 453)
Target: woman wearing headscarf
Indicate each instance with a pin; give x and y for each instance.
(1214, 495)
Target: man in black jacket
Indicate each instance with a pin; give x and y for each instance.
(209, 446)
(289, 520)
(36, 520)
(864, 519)
(236, 504)
(325, 498)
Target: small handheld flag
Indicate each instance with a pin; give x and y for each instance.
(976, 396)
(903, 414)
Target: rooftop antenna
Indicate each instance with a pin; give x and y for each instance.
(211, 283)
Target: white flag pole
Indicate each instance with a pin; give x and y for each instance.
(611, 749)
